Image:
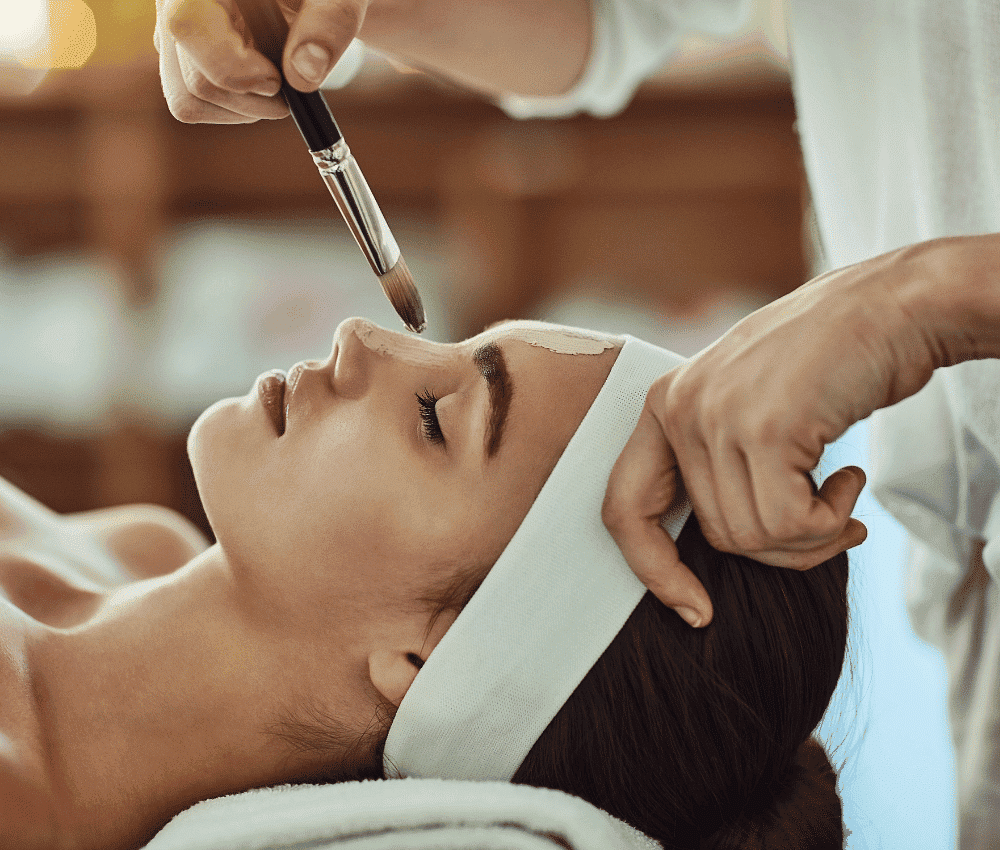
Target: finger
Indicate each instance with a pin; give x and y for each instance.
(250, 107)
(691, 456)
(840, 491)
(651, 553)
(641, 488)
(842, 488)
(853, 535)
(205, 33)
(741, 529)
(183, 105)
(696, 470)
(792, 515)
(318, 37)
(643, 480)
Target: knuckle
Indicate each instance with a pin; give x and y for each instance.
(763, 428)
(200, 86)
(746, 540)
(797, 524)
(187, 109)
(183, 23)
(347, 17)
(667, 397)
(612, 514)
(660, 387)
(676, 394)
(788, 527)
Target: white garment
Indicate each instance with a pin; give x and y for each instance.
(898, 105)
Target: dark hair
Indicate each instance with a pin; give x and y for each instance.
(700, 738)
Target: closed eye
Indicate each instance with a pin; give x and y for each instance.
(430, 424)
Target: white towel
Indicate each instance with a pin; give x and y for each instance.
(400, 814)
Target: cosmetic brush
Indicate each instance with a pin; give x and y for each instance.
(338, 168)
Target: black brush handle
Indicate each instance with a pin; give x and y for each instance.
(270, 31)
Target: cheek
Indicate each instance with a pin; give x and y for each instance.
(469, 527)
(507, 499)
(345, 492)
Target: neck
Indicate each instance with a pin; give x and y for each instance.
(161, 700)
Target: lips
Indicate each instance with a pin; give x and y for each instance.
(271, 391)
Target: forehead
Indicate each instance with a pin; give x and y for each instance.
(547, 374)
(552, 389)
(560, 339)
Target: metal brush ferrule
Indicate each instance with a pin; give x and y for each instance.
(357, 204)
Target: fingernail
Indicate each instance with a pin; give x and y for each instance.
(312, 62)
(690, 616)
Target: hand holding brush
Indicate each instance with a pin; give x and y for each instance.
(338, 168)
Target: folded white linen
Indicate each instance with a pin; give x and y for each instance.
(398, 814)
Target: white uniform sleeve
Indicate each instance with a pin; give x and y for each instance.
(920, 472)
(937, 470)
(631, 39)
(923, 475)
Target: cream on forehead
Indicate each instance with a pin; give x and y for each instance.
(558, 339)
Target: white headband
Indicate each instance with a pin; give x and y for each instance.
(550, 606)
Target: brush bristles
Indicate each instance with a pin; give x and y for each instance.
(397, 283)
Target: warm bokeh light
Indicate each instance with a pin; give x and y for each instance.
(24, 32)
(24, 28)
(72, 37)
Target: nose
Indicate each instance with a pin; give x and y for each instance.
(377, 339)
(351, 358)
(361, 347)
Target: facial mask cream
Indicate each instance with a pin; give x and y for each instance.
(556, 338)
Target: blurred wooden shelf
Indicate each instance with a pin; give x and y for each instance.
(692, 183)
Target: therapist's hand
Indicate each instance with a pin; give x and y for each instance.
(745, 421)
(211, 73)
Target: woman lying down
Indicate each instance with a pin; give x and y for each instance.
(406, 583)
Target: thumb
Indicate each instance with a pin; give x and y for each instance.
(841, 490)
(318, 37)
(654, 559)
(641, 488)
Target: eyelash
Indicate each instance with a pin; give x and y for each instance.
(428, 416)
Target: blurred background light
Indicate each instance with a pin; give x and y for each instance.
(24, 28)
(37, 36)
(24, 32)
(71, 36)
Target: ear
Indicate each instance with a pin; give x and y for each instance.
(392, 671)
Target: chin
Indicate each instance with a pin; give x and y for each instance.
(228, 446)
(203, 424)
(210, 443)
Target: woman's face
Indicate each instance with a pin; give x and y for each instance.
(399, 461)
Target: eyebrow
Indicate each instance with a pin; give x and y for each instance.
(492, 366)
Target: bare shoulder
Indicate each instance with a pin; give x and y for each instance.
(148, 540)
